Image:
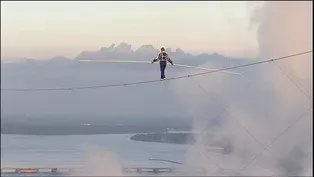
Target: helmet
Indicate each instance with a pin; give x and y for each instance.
(162, 49)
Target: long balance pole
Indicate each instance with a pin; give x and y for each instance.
(148, 62)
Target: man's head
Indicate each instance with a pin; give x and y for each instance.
(162, 49)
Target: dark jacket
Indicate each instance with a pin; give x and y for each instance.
(163, 56)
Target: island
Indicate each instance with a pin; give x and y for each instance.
(223, 143)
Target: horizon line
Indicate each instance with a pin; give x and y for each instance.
(114, 45)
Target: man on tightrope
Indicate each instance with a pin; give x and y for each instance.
(163, 58)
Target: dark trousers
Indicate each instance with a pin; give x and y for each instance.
(163, 65)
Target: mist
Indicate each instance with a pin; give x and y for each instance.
(258, 106)
(263, 100)
(132, 105)
(100, 162)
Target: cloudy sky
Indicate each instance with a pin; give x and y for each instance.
(263, 99)
(47, 29)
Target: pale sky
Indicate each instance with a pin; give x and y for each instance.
(47, 29)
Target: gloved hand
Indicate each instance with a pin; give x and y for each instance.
(154, 60)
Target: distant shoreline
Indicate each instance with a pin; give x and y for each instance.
(187, 138)
(15, 129)
(174, 138)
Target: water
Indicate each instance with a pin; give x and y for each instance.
(83, 150)
(103, 153)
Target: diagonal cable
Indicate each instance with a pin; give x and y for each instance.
(283, 132)
(293, 82)
(154, 81)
